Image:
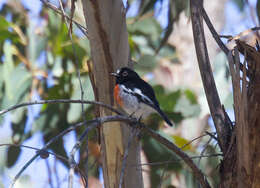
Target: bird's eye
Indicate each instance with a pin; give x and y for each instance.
(125, 73)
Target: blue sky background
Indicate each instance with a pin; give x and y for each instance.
(37, 172)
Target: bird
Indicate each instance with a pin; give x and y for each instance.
(135, 96)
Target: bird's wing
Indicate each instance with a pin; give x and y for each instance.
(147, 96)
(143, 91)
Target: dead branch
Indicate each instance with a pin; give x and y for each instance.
(214, 103)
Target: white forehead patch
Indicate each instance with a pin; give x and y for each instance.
(118, 71)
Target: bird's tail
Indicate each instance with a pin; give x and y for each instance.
(166, 119)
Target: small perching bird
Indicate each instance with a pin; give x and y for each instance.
(136, 96)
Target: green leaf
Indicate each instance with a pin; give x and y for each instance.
(147, 26)
(17, 84)
(167, 101)
(191, 96)
(17, 80)
(146, 62)
(181, 142)
(8, 65)
(75, 111)
(168, 52)
(5, 32)
(187, 109)
(12, 155)
(4, 24)
(37, 43)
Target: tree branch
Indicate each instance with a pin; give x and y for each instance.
(179, 160)
(83, 29)
(197, 172)
(214, 103)
(214, 33)
(132, 121)
(55, 101)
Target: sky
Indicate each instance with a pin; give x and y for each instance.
(239, 22)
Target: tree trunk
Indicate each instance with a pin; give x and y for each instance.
(108, 37)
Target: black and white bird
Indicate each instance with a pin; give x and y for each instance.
(136, 96)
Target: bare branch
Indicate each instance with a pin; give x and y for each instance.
(55, 101)
(38, 150)
(133, 134)
(214, 103)
(132, 121)
(44, 149)
(72, 162)
(204, 149)
(179, 160)
(58, 11)
(49, 173)
(197, 172)
(214, 33)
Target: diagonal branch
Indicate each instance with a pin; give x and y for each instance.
(214, 103)
(187, 159)
(214, 33)
(55, 101)
(83, 29)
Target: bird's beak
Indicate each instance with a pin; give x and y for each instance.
(114, 74)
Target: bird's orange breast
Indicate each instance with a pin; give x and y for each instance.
(117, 97)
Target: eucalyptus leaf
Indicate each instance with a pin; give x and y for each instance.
(57, 69)
(12, 155)
(187, 109)
(17, 84)
(146, 62)
(75, 111)
(148, 26)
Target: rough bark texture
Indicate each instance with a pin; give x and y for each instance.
(248, 129)
(108, 37)
(240, 167)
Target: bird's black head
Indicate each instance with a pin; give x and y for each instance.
(125, 74)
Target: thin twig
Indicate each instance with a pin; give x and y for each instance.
(56, 174)
(196, 171)
(214, 33)
(132, 135)
(83, 29)
(204, 149)
(170, 159)
(72, 162)
(44, 149)
(179, 160)
(209, 85)
(194, 139)
(72, 166)
(37, 149)
(212, 135)
(55, 101)
(49, 173)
